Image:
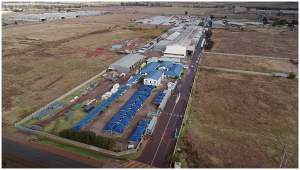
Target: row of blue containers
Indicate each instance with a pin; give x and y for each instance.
(99, 108)
(127, 112)
(50, 109)
(103, 105)
(139, 131)
(134, 79)
(158, 98)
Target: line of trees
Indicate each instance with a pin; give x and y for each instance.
(209, 43)
(88, 137)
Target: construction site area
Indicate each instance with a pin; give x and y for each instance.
(138, 85)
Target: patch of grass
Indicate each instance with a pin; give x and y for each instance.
(30, 122)
(240, 121)
(74, 149)
(136, 155)
(61, 123)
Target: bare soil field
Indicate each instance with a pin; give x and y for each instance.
(241, 121)
(247, 63)
(43, 61)
(262, 42)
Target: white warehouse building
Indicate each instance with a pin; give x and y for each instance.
(183, 44)
(175, 51)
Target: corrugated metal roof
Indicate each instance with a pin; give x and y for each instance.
(155, 75)
(173, 36)
(149, 67)
(175, 49)
(128, 60)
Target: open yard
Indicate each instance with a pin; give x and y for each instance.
(241, 121)
(261, 42)
(257, 64)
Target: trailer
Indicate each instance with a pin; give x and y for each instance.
(151, 126)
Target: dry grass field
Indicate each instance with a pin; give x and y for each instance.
(43, 61)
(261, 42)
(241, 121)
(247, 63)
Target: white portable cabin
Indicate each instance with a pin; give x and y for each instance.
(151, 126)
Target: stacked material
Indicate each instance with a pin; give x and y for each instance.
(120, 120)
(151, 126)
(100, 108)
(158, 98)
(139, 131)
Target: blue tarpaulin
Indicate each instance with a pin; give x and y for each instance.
(139, 131)
(128, 110)
(99, 108)
(158, 98)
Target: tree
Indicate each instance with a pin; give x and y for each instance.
(88, 137)
(186, 12)
(265, 20)
(280, 22)
(291, 75)
(209, 44)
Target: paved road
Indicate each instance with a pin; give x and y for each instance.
(26, 156)
(162, 144)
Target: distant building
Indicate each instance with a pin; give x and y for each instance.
(239, 9)
(154, 78)
(127, 63)
(175, 51)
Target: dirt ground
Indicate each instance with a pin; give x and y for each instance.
(262, 42)
(248, 63)
(241, 121)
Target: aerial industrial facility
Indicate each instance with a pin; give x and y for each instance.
(150, 84)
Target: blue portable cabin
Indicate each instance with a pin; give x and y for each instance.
(129, 109)
(158, 98)
(139, 131)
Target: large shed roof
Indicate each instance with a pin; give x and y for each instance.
(175, 50)
(155, 75)
(128, 60)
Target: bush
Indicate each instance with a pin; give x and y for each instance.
(201, 24)
(208, 34)
(88, 137)
(209, 44)
(280, 22)
(291, 76)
